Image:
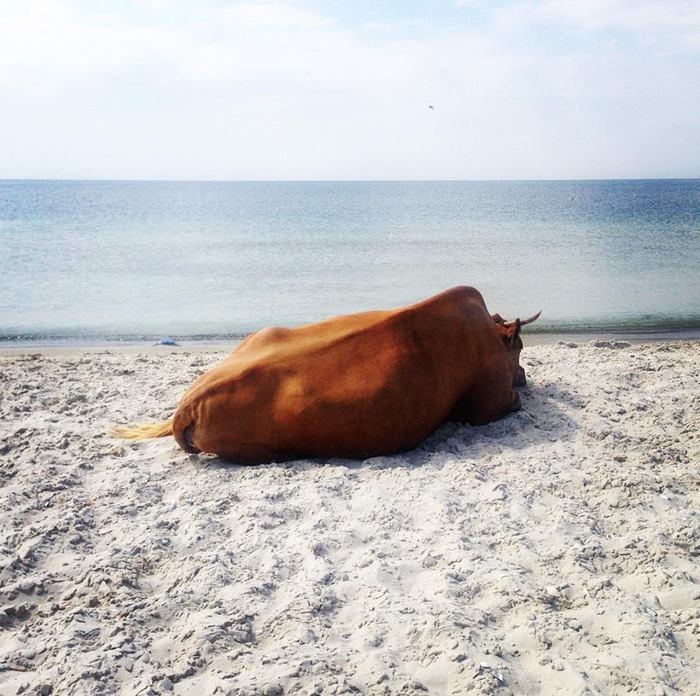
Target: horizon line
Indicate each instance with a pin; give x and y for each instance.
(339, 181)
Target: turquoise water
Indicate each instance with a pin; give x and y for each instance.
(129, 260)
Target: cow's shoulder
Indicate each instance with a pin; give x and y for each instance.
(459, 295)
(459, 305)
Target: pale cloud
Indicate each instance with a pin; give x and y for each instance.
(267, 17)
(659, 19)
(154, 89)
(52, 45)
(631, 15)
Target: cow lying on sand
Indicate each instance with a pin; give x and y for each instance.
(353, 386)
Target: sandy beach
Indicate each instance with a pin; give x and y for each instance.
(555, 551)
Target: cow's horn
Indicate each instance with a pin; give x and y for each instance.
(531, 319)
(524, 321)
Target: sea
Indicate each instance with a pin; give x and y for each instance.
(130, 261)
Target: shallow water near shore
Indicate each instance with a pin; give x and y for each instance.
(133, 261)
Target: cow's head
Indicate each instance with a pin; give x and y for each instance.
(509, 331)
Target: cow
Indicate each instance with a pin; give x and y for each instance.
(354, 386)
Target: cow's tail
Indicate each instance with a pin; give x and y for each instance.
(143, 431)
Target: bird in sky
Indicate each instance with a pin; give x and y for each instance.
(431, 107)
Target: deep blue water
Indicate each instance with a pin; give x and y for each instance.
(100, 260)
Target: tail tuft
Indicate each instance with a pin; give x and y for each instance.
(143, 431)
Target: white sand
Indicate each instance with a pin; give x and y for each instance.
(556, 551)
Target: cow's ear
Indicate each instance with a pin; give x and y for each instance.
(512, 332)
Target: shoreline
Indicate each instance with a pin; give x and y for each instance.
(218, 345)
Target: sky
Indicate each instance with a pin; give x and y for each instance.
(342, 89)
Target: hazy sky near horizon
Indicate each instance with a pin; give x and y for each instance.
(340, 89)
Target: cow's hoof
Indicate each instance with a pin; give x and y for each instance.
(516, 402)
(187, 435)
(520, 380)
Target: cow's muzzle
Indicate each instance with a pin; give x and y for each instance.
(520, 380)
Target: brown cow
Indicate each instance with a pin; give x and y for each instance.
(353, 386)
